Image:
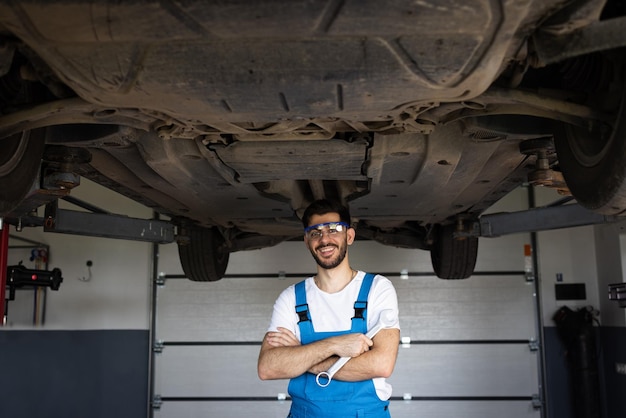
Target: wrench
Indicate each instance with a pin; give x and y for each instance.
(385, 320)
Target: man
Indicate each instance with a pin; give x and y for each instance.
(326, 317)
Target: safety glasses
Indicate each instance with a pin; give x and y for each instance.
(315, 232)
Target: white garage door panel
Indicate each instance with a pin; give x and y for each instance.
(421, 370)
(474, 370)
(227, 310)
(478, 308)
(263, 409)
(463, 409)
(482, 307)
(214, 371)
(399, 409)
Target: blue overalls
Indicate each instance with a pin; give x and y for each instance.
(339, 399)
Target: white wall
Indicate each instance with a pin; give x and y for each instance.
(116, 297)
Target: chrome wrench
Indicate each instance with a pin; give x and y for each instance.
(385, 320)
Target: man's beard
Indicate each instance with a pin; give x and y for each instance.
(330, 263)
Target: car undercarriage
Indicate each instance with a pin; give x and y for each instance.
(231, 117)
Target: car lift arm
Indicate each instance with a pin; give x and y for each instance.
(106, 225)
(97, 223)
(538, 219)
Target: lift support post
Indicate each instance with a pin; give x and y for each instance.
(4, 251)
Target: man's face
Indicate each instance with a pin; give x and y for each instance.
(329, 250)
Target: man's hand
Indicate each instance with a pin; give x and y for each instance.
(282, 338)
(351, 345)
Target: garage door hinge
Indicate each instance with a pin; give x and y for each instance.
(157, 402)
(157, 347)
(160, 280)
(533, 344)
(537, 403)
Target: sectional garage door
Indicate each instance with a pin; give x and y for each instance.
(469, 347)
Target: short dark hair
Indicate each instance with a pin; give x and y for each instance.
(324, 206)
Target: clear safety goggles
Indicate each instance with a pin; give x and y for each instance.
(315, 232)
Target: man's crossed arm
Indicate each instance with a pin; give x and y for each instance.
(283, 357)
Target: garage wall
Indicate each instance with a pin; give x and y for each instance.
(114, 307)
(611, 264)
(592, 256)
(117, 296)
(65, 373)
(88, 355)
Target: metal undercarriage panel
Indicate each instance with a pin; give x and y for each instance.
(389, 179)
(237, 71)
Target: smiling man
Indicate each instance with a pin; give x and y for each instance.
(325, 317)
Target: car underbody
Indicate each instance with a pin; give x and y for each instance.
(231, 117)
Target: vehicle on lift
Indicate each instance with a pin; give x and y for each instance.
(231, 117)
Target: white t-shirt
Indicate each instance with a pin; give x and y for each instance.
(334, 311)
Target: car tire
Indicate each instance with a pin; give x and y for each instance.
(20, 159)
(593, 162)
(203, 256)
(594, 165)
(453, 258)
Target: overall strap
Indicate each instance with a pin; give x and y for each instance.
(359, 321)
(302, 309)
